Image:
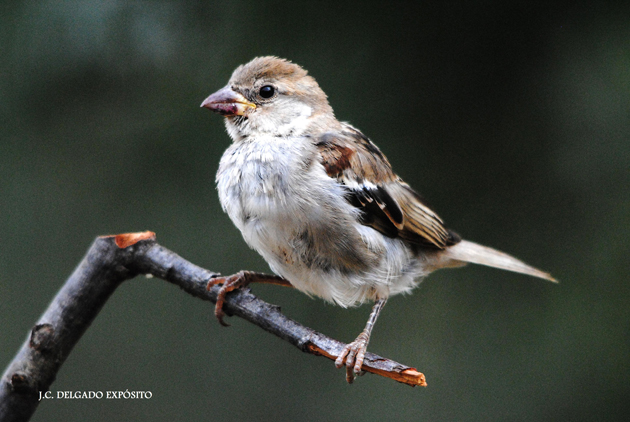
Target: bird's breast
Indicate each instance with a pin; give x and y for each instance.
(278, 194)
(259, 178)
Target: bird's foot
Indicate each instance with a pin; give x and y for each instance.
(238, 281)
(352, 357)
(233, 282)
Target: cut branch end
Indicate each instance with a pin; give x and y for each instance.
(125, 240)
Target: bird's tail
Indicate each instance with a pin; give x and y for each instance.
(466, 251)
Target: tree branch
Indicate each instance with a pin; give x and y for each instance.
(114, 259)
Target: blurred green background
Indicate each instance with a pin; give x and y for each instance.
(512, 118)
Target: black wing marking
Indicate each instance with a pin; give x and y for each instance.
(389, 205)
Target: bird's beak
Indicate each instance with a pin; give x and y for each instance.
(226, 102)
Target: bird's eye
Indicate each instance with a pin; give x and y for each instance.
(267, 91)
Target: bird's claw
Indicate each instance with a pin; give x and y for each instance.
(233, 282)
(352, 356)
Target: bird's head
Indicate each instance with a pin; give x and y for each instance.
(271, 96)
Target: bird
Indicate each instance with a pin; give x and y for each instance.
(321, 203)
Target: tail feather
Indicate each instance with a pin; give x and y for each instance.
(466, 251)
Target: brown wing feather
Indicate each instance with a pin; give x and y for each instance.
(389, 205)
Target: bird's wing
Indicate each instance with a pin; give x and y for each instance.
(389, 205)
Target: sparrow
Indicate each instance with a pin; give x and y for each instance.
(321, 203)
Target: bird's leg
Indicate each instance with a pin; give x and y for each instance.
(237, 281)
(354, 353)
